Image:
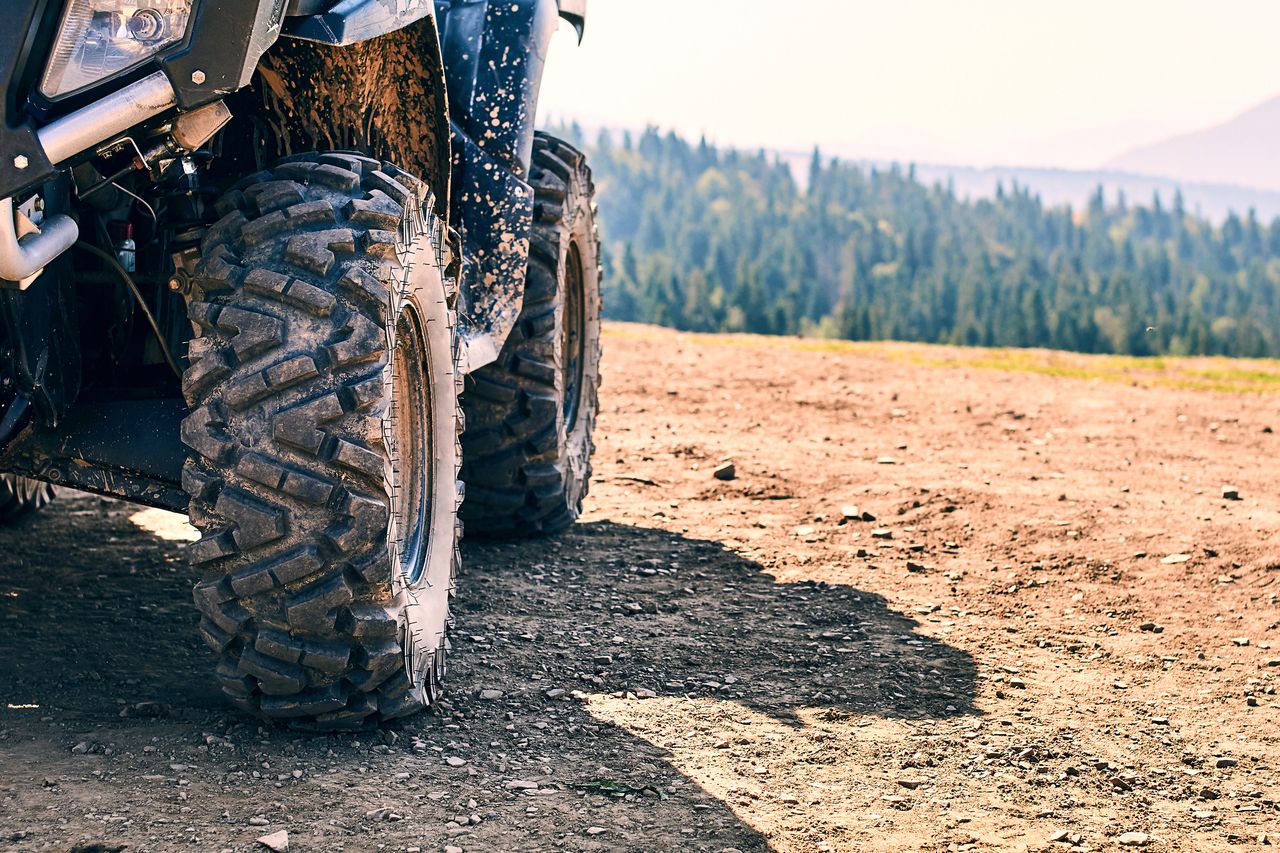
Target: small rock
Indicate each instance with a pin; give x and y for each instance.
(521, 785)
(1060, 835)
(1134, 839)
(82, 748)
(490, 693)
(1120, 685)
(882, 533)
(851, 512)
(455, 761)
(556, 693)
(1230, 493)
(725, 472)
(259, 820)
(602, 660)
(1175, 558)
(1240, 641)
(911, 784)
(277, 841)
(1152, 627)
(886, 460)
(1018, 683)
(1224, 761)
(452, 849)
(595, 830)
(866, 516)
(645, 693)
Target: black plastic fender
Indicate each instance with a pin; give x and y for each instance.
(494, 56)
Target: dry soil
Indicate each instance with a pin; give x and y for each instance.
(1050, 632)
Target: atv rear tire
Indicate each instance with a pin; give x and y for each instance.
(20, 496)
(530, 414)
(324, 423)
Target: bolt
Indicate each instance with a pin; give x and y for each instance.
(197, 77)
(21, 162)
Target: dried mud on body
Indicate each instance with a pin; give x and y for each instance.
(947, 602)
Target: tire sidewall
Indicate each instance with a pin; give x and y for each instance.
(579, 232)
(419, 285)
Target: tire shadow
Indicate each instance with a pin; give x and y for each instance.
(625, 608)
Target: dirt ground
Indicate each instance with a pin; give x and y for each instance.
(1055, 635)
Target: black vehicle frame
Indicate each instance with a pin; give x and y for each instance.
(177, 149)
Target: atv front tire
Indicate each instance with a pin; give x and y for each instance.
(20, 496)
(324, 423)
(530, 414)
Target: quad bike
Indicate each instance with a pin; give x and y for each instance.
(259, 258)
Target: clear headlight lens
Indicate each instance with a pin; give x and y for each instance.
(101, 38)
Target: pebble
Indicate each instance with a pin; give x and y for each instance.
(490, 693)
(556, 693)
(1134, 839)
(1230, 493)
(886, 460)
(595, 830)
(1018, 683)
(1175, 558)
(882, 533)
(1240, 641)
(725, 472)
(455, 761)
(851, 512)
(1152, 627)
(452, 849)
(277, 841)
(1223, 761)
(258, 820)
(521, 785)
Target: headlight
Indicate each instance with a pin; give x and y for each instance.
(101, 38)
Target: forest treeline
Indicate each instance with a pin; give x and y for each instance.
(708, 239)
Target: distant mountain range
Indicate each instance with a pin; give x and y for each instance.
(1243, 152)
(1064, 186)
(1233, 167)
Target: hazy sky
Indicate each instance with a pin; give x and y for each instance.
(1015, 82)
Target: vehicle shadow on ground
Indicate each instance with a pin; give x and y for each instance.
(610, 607)
(96, 616)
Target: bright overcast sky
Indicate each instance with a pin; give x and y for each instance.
(1013, 82)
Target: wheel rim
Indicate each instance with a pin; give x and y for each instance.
(573, 336)
(408, 434)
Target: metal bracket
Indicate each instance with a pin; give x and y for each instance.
(23, 256)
